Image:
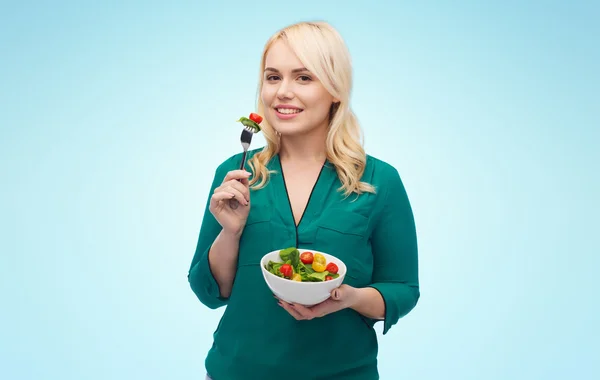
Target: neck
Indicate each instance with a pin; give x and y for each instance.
(308, 148)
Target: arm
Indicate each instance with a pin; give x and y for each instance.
(395, 268)
(368, 302)
(222, 259)
(213, 267)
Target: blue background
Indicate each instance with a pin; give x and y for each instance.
(114, 116)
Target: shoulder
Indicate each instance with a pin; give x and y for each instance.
(385, 177)
(392, 193)
(379, 171)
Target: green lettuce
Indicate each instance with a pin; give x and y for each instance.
(292, 256)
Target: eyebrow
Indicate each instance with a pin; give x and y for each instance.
(299, 70)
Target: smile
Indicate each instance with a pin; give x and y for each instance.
(288, 111)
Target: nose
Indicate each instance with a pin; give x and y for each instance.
(284, 91)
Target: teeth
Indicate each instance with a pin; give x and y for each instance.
(287, 110)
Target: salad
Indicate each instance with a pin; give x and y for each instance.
(252, 122)
(305, 267)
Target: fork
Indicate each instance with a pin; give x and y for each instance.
(245, 139)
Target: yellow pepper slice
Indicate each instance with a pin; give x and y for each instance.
(319, 263)
(297, 277)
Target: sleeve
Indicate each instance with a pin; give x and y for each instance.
(200, 276)
(394, 243)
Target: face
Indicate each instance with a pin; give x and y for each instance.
(295, 101)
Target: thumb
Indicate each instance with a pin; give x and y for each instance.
(338, 293)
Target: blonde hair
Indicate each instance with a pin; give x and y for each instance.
(323, 52)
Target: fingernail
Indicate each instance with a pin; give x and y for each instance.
(336, 294)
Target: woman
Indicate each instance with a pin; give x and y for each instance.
(311, 187)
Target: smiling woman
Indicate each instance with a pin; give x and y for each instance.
(311, 187)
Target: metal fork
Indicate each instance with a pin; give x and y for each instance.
(245, 139)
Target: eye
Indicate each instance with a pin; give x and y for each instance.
(272, 77)
(304, 78)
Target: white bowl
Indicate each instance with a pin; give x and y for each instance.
(303, 293)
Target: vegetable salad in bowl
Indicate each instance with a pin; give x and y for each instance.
(305, 267)
(305, 277)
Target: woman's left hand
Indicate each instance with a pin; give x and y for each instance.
(341, 298)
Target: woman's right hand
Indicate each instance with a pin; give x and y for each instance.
(232, 220)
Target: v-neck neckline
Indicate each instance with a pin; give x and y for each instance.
(310, 196)
(320, 190)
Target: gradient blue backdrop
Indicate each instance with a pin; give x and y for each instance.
(114, 116)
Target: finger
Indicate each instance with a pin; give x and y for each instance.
(236, 174)
(345, 295)
(305, 312)
(337, 294)
(234, 192)
(221, 196)
(291, 310)
(238, 195)
(322, 309)
(243, 181)
(242, 188)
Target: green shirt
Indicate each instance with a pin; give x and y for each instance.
(373, 234)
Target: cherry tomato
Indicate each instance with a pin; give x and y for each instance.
(286, 270)
(297, 277)
(332, 268)
(256, 118)
(327, 278)
(319, 262)
(306, 257)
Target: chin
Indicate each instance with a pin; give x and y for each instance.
(288, 127)
(292, 127)
(289, 130)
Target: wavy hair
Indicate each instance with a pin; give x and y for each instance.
(324, 53)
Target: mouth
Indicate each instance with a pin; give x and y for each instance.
(288, 110)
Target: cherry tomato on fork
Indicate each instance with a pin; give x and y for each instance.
(256, 118)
